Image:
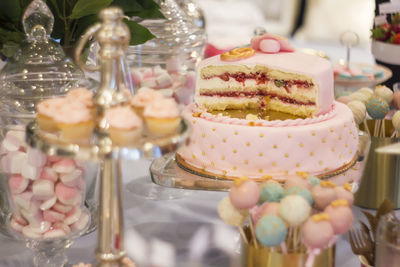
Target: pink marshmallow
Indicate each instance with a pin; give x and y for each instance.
(137, 77)
(190, 81)
(16, 225)
(149, 82)
(36, 158)
(173, 64)
(64, 166)
(43, 189)
(62, 208)
(54, 233)
(62, 226)
(20, 135)
(29, 233)
(157, 70)
(73, 216)
(23, 200)
(81, 224)
(284, 44)
(147, 72)
(71, 179)
(31, 172)
(47, 204)
(17, 161)
(35, 218)
(53, 216)
(164, 80)
(17, 184)
(52, 159)
(67, 195)
(41, 227)
(269, 46)
(49, 174)
(19, 219)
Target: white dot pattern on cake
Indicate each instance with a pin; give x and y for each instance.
(237, 150)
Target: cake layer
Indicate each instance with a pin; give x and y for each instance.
(255, 151)
(290, 78)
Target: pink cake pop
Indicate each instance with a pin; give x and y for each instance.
(323, 194)
(344, 192)
(396, 100)
(341, 216)
(344, 99)
(244, 194)
(317, 231)
(301, 180)
(271, 208)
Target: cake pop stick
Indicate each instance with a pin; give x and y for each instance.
(377, 108)
(396, 124)
(232, 216)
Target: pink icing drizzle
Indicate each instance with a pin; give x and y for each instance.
(122, 118)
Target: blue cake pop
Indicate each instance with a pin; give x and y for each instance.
(313, 180)
(271, 192)
(271, 230)
(300, 191)
(377, 107)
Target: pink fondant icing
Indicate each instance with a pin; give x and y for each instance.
(316, 67)
(255, 151)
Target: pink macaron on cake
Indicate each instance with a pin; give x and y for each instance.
(46, 193)
(284, 217)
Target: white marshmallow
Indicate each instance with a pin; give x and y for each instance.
(16, 225)
(41, 228)
(34, 217)
(43, 189)
(62, 208)
(5, 164)
(137, 77)
(17, 161)
(62, 226)
(149, 82)
(80, 224)
(18, 134)
(28, 232)
(53, 216)
(31, 172)
(49, 174)
(164, 80)
(11, 143)
(54, 233)
(157, 70)
(47, 204)
(73, 216)
(147, 72)
(72, 178)
(64, 166)
(17, 184)
(36, 158)
(23, 200)
(173, 64)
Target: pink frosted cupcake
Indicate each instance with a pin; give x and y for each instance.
(74, 120)
(162, 116)
(46, 111)
(125, 127)
(82, 95)
(144, 97)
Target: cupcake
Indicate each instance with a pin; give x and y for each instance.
(144, 97)
(46, 111)
(162, 116)
(82, 95)
(75, 121)
(125, 126)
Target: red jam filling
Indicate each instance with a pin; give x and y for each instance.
(260, 94)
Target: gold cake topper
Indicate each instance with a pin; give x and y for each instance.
(241, 180)
(237, 53)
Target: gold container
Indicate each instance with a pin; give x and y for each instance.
(381, 176)
(263, 257)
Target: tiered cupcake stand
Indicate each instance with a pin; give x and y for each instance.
(113, 37)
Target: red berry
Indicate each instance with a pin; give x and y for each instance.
(396, 39)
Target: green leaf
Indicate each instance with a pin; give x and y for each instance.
(10, 37)
(139, 34)
(10, 10)
(84, 8)
(9, 49)
(144, 9)
(83, 25)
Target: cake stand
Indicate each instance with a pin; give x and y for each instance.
(170, 171)
(113, 37)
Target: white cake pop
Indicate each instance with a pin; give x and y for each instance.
(359, 110)
(229, 213)
(294, 209)
(366, 91)
(360, 96)
(384, 92)
(396, 122)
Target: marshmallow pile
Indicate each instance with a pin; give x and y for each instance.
(46, 192)
(171, 80)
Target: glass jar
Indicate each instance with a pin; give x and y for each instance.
(387, 252)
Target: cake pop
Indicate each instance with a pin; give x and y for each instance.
(323, 194)
(271, 208)
(359, 110)
(384, 92)
(396, 123)
(271, 230)
(271, 191)
(314, 180)
(396, 100)
(377, 108)
(341, 216)
(366, 91)
(298, 181)
(244, 194)
(231, 215)
(319, 223)
(300, 191)
(344, 99)
(360, 97)
(294, 209)
(344, 192)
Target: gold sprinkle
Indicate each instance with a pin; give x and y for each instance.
(212, 163)
(266, 177)
(346, 145)
(333, 149)
(248, 144)
(351, 132)
(203, 168)
(326, 169)
(339, 202)
(234, 151)
(260, 154)
(193, 157)
(301, 144)
(289, 136)
(347, 186)
(345, 125)
(224, 140)
(340, 156)
(212, 146)
(320, 162)
(286, 155)
(351, 152)
(275, 146)
(197, 114)
(327, 184)
(238, 181)
(252, 123)
(234, 168)
(324, 140)
(313, 133)
(203, 153)
(311, 153)
(332, 130)
(297, 165)
(236, 133)
(260, 170)
(302, 174)
(224, 173)
(222, 157)
(246, 162)
(194, 121)
(261, 135)
(213, 129)
(340, 137)
(286, 172)
(321, 217)
(203, 135)
(274, 163)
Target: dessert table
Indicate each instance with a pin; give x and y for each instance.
(175, 221)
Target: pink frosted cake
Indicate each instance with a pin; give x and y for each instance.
(324, 141)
